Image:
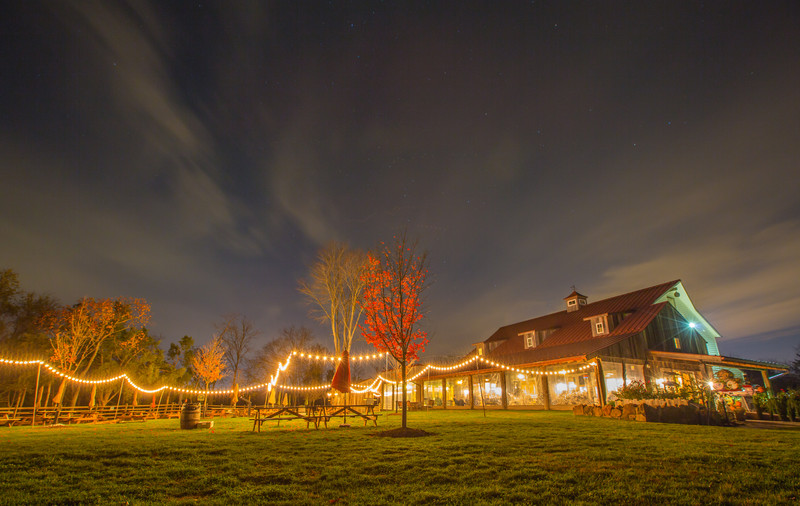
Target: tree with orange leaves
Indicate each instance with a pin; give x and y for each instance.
(394, 281)
(209, 361)
(78, 332)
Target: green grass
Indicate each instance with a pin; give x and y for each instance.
(507, 457)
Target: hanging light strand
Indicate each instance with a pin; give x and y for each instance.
(374, 386)
(330, 358)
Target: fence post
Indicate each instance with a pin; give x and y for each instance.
(36, 395)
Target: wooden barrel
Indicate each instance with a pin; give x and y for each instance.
(190, 415)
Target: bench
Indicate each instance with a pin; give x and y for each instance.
(366, 417)
(8, 421)
(286, 414)
(92, 418)
(309, 420)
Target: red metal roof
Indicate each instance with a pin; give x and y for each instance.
(573, 336)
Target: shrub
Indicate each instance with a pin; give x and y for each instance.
(785, 404)
(635, 390)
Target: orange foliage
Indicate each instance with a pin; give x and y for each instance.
(394, 281)
(77, 332)
(209, 362)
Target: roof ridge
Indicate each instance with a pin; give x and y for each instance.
(668, 283)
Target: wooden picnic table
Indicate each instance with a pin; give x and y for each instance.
(314, 414)
(285, 413)
(364, 411)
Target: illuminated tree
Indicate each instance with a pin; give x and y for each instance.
(335, 285)
(209, 362)
(77, 333)
(394, 281)
(236, 332)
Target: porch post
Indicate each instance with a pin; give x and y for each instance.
(504, 398)
(471, 403)
(601, 382)
(767, 383)
(444, 393)
(545, 392)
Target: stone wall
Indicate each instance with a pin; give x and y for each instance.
(660, 411)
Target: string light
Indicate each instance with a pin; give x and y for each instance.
(497, 365)
(309, 356)
(374, 386)
(273, 379)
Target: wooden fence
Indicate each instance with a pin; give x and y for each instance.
(52, 415)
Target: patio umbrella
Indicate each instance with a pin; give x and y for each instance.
(341, 379)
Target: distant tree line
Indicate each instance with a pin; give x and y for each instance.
(100, 338)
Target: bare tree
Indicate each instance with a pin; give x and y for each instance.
(236, 333)
(335, 284)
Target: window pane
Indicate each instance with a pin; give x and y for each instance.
(432, 393)
(570, 389)
(458, 391)
(486, 387)
(523, 389)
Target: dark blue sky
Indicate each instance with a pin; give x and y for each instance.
(198, 155)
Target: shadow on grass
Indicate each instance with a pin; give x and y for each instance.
(403, 432)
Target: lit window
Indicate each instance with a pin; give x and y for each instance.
(530, 339)
(599, 327)
(677, 343)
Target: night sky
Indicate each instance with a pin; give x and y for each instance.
(198, 155)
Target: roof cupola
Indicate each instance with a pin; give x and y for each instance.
(575, 301)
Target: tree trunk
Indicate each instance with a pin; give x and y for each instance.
(105, 396)
(20, 400)
(47, 396)
(135, 398)
(74, 401)
(93, 395)
(403, 372)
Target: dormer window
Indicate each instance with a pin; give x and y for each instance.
(530, 340)
(599, 324)
(534, 338)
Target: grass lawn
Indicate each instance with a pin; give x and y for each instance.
(507, 457)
